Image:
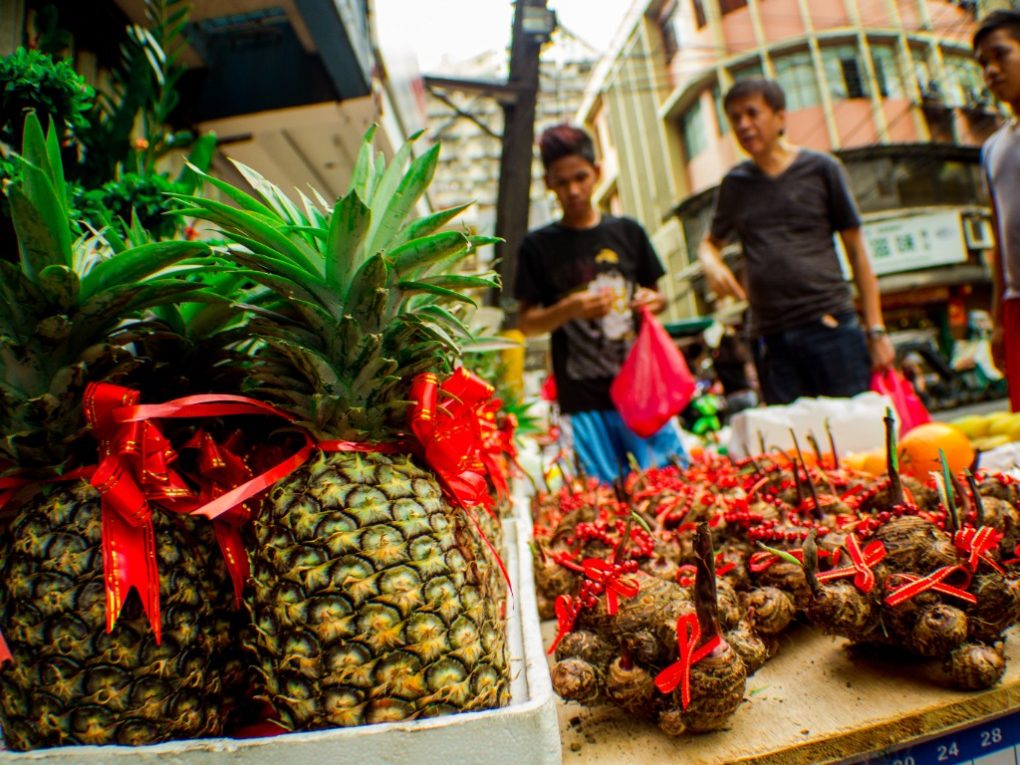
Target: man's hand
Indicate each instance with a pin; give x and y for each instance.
(883, 354)
(590, 305)
(721, 280)
(648, 298)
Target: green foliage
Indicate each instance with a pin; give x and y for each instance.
(142, 196)
(140, 98)
(365, 298)
(31, 80)
(65, 306)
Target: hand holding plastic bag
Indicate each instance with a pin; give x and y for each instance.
(904, 398)
(654, 384)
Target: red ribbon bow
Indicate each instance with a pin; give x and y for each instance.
(219, 471)
(566, 614)
(860, 564)
(934, 581)
(133, 469)
(616, 586)
(492, 446)
(688, 635)
(977, 543)
(449, 432)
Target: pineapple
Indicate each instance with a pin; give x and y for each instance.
(374, 598)
(63, 313)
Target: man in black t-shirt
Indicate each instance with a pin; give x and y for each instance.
(581, 279)
(785, 204)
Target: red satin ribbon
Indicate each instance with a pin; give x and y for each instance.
(861, 563)
(219, 470)
(10, 486)
(492, 446)
(685, 574)
(934, 581)
(977, 543)
(688, 635)
(449, 432)
(616, 585)
(133, 468)
(450, 442)
(5, 652)
(566, 615)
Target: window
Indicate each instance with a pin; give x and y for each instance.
(692, 126)
(669, 25)
(887, 71)
(720, 113)
(922, 70)
(747, 70)
(964, 84)
(796, 74)
(699, 13)
(844, 72)
(728, 6)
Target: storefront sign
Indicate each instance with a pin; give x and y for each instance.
(920, 241)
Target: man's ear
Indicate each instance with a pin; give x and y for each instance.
(598, 170)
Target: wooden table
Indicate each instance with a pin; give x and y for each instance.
(811, 704)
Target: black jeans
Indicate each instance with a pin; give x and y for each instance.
(813, 360)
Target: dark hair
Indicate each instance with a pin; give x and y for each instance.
(769, 90)
(564, 140)
(1000, 19)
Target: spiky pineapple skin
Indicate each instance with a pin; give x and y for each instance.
(71, 682)
(373, 600)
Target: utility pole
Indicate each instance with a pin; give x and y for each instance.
(533, 24)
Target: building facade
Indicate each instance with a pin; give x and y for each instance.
(889, 86)
(467, 117)
(289, 87)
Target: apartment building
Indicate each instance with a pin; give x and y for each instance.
(889, 86)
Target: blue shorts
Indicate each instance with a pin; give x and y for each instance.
(602, 442)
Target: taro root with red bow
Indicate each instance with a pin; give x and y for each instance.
(658, 650)
(928, 584)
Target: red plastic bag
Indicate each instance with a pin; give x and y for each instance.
(908, 406)
(654, 383)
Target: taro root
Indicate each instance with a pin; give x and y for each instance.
(914, 544)
(770, 609)
(997, 607)
(577, 680)
(750, 646)
(551, 581)
(839, 607)
(973, 666)
(788, 577)
(629, 686)
(632, 657)
(718, 679)
(937, 629)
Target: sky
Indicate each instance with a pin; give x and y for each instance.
(461, 29)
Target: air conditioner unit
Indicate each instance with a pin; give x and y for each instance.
(978, 233)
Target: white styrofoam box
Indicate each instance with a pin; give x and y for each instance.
(524, 733)
(857, 424)
(1005, 458)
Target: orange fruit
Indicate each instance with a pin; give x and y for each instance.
(872, 463)
(919, 450)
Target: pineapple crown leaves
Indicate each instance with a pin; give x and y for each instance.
(63, 304)
(366, 297)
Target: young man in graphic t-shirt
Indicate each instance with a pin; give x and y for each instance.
(997, 48)
(784, 204)
(581, 278)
